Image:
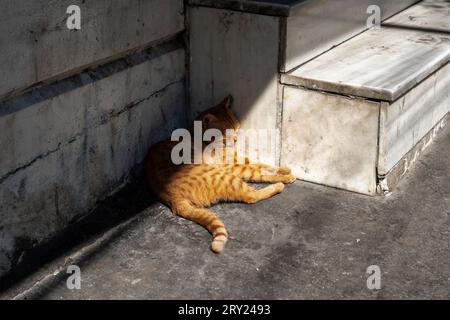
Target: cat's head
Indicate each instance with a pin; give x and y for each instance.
(221, 117)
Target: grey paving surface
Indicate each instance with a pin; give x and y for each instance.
(308, 242)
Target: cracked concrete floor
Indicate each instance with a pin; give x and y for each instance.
(309, 242)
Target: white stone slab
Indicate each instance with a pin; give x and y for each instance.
(379, 64)
(427, 15)
(405, 122)
(330, 139)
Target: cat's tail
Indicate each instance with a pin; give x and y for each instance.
(206, 219)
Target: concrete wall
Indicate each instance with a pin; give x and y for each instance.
(36, 44)
(74, 135)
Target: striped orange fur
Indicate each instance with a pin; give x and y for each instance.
(189, 189)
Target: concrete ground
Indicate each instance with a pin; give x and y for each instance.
(309, 242)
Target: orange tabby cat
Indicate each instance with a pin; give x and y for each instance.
(188, 189)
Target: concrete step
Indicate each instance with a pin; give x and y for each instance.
(358, 116)
(240, 47)
(309, 28)
(383, 63)
(353, 104)
(314, 27)
(429, 15)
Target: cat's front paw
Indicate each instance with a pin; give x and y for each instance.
(290, 179)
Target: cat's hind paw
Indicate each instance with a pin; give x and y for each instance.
(279, 187)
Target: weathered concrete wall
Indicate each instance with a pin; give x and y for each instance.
(69, 143)
(36, 44)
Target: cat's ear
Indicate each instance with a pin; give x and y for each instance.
(228, 101)
(208, 118)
